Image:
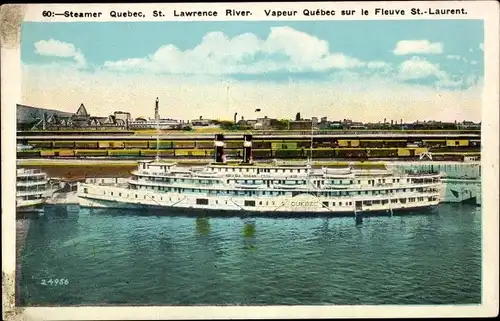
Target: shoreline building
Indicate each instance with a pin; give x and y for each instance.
(81, 119)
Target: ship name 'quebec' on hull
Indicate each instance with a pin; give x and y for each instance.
(264, 189)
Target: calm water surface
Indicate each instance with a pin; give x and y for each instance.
(112, 257)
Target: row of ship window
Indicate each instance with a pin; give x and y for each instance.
(211, 182)
(31, 178)
(30, 188)
(411, 199)
(283, 193)
(31, 197)
(260, 170)
(204, 201)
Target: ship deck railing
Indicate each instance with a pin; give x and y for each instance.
(350, 187)
(30, 193)
(364, 198)
(32, 182)
(29, 171)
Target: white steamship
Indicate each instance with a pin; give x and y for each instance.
(264, 189)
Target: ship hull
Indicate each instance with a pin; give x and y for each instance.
(101, 205)
(300, 205)
(461, 191)
(33, 206)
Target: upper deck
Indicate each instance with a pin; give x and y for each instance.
(220, 173)
(29, 173)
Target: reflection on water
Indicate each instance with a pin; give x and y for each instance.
(127, 257)
(249, 229)
(203, 225)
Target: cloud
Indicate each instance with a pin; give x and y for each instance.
(285, 49)
(377, 65)
(481, 46)
(473, 62)
(56, 48)
(449, 83)
(407, 47)
(416, 68)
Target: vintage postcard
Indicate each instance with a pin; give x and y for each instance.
(263, 160)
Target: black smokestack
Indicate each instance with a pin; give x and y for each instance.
(247, 149)
(219, 148)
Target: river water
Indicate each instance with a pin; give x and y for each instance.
(110, 257)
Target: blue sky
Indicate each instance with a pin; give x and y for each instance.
(432, 53)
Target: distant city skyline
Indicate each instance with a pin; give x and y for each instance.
(360, 70)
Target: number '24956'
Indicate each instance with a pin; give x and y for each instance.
(54, 282)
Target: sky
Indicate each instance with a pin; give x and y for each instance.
(361, 70)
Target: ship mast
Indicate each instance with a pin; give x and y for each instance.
(311, 145)
(157, 117)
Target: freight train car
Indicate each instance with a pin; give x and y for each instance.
(411, 152)
(111, 144)
(153, 153)
(348, 143)
(90, 153)
(283, 145)
(304, 143)
(66, 153)
(201, 144)
(184, 145)
(350, 152)
(131, 144)
(28, 153)
(234, 144)
(64, 144)
(40, 144)
(86, 145)
(124, 152)
(324, 153)
(457, 143)
(47, 153)
(366, 143)
(381, 152)
(160, 144)
(199, 153)
(434, 143)
(396, 143)
(322, 144)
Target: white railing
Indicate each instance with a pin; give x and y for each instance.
(32, 182)
(28, 193)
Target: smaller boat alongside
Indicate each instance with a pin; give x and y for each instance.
(31, 190)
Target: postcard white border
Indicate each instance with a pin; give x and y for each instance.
(486, 10)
